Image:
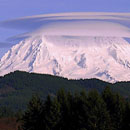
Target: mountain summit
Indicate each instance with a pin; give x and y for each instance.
(77, 47)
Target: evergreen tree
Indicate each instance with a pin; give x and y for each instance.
(116, 107)
(98, 116)
(32, 119)
(52, 114)
(80, 110)
(64, 107)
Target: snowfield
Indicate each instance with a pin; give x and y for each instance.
(72, 45)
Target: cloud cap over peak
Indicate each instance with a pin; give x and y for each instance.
(74, 24)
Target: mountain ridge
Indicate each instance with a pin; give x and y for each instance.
(105, 58)
(17, 88)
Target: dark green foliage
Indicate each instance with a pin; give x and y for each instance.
(23, 85)
(79, 111)
(16, 89)
(32, 119)
(116, 107)
(66, 109)
(52, 114)
(98, 116)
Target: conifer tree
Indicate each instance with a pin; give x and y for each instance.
(98, 116)
(116, 107)
(52, 114)
(80, 111)
(80, 108)
(64, 107)
(31, 120)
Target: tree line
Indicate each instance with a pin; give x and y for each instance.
(77, 111)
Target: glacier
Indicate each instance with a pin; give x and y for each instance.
(72, 45)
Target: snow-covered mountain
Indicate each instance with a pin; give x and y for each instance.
(75, 49)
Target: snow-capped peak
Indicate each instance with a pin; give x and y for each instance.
(75, 48)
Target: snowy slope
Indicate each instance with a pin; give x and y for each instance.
(74, 49)
(106, 58)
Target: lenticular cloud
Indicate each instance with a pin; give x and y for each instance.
(74, 24)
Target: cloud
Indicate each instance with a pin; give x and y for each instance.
(88, 24)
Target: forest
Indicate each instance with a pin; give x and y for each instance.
(78, 111)
(17, 88)
(30, 101)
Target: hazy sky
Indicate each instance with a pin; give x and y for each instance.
(18, 8)
(10, 9)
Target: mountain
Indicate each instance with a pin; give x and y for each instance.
(104, 58)
(74, 46)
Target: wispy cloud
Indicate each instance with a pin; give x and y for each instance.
(71, 24)
(88, 24)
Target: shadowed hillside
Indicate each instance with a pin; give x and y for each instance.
(17, 88)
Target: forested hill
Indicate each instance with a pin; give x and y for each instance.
(17, 88)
